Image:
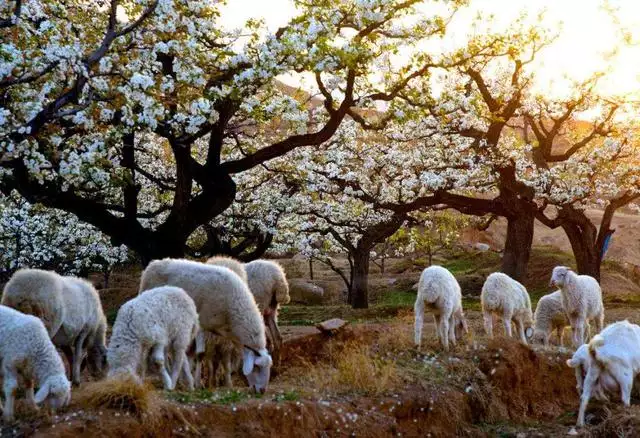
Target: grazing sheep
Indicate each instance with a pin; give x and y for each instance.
(508, 298)
(580, 362)
(549, 317)
(268, 283)
(164, 318)
(71, 310)
(440, 292)
(228, 262)
(226, 307)
(27, 352)
(616, 351)
(581, 300)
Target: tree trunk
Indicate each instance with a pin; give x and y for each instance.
(360, 281)
(585, 249)
(517, 248)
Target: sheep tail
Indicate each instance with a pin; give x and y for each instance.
(596, 342)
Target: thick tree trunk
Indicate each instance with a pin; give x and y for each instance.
(360, 281)
(585, 249)
(517, 248)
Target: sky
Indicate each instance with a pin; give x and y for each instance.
(587, 34)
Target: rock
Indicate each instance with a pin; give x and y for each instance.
(482, 247)
(331, 325)
(391, 281)
(304, 292)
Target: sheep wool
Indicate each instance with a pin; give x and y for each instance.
(225, 305)
(506, 297)
(616, 351)
(157, 319)
(581, 300)
(549, 317)
(71, 310)
(228, 262)
(27, 354)
(440, 292)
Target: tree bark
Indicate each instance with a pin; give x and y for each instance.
(517, 248)
(360, 282)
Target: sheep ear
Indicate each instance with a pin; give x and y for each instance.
(571, 364)
(264, 361)
(248, 360)
(42, 394)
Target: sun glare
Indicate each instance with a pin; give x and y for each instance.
(592, 36)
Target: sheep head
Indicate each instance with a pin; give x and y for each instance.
(257, 369)
(558, 276)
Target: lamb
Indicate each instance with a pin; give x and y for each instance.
(549, 317)
(503, 295)
(156, 320)
(27, 352)
(71, 311)
(616, 351)
(581, 300)
(226, 307)
(439, 290)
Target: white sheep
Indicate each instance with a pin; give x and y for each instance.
(505, 297)
(27, 352)
(616, 351)
(581, 300)
(157, 320)
(580, 362)
(70, 308)
(268, 283)
(226, 307)
(228, 262)
(440, 292)
(549, 317)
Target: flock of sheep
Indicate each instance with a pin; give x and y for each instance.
(607, 364)
(186, 313)
(223, 313)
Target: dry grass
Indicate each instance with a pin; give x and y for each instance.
(356, 369)
(124, 394)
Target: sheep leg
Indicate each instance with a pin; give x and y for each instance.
(507, 326)
(77, 358)
(28, 393)
(600, 322)
(276, 336)
(589, 381)
(227, 369)
(186, 371)
(520, 326)
(178, 354)
(157, 355)
(200, 349)
(213, 365)
(444, 332)
(559, 332)
(625, 381)
(418, 310)
(452, 330)
(10, 389)
(488, 323)
(436, 323)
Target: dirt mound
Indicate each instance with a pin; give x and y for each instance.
(524, 384)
